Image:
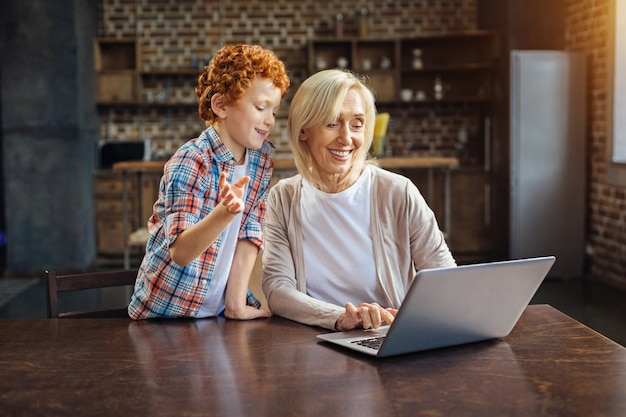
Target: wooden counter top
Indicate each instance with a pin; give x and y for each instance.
(419, 162)
(139, 166)
(389, 163)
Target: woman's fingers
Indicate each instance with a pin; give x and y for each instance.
(373, 315)
(367, 316)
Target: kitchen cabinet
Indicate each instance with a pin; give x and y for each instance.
(453, 67)
(122, 81)
(117, 64)
(471, 201)
(471, 217)
(158, 89)
(109, 214)
(136, 103)
(378, 59)
(109, 202)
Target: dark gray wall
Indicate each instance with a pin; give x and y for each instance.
(49, 130)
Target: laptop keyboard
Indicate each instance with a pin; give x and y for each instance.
(372, 342)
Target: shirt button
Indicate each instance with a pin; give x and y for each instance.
(231, 162)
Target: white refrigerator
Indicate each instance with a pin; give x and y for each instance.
(547, 149)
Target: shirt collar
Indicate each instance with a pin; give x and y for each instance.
(218, 148)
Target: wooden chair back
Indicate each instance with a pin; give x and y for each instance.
(91, 280)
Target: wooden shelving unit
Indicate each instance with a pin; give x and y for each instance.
(463, 62)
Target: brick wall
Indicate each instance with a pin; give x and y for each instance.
(587, 26)
(174, 34)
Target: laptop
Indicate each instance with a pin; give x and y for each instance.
(453, 306)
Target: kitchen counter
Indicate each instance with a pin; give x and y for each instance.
(393, 163)
(140, 168)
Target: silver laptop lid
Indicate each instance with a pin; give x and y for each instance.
(464, 304)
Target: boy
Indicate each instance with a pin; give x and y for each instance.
(207, 223)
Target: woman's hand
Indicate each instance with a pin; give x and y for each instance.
(366, 316)
(230, 195)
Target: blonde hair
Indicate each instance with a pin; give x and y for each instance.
(317, 103)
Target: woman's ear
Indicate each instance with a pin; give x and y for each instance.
(302, 136)
(218, 106)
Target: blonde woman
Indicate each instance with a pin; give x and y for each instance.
(344, 238)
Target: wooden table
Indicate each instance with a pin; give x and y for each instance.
(550, 365)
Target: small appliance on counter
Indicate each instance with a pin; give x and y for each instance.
(110, 152)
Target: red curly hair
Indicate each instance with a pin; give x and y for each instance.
(231, 72)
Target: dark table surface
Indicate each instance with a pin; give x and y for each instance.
(550, 365)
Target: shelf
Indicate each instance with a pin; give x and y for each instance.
(451, 68)
(117, 86)
(172, 72)
(121, 82)
(451, 50)
(464, 61)
(116, 62)
(115, 54)
(145, 104)
(431, 101)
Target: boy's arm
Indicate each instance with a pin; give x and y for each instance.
(237, 287)
(192, 242)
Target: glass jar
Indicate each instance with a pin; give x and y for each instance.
(339, 26)
(417, 63)
(438, 88)
(363, 23)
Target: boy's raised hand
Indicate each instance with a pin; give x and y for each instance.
(230, 194)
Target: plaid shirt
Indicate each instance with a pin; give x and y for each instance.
(188, 192)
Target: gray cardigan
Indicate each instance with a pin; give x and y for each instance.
(405, 235)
